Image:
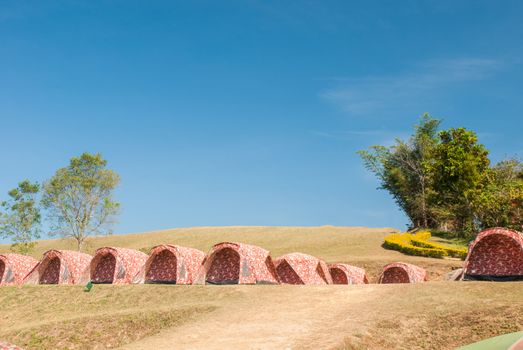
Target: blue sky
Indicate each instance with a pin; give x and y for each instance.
(250, 112)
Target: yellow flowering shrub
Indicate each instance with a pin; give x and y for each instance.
(417, 244)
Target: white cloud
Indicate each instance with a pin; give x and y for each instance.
(374, 94)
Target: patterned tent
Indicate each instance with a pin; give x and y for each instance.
(347, 274)
(15, 267)
(237, 263)
(59, 267)
(402, 273)
(170, 264)
(7, 346)
(298, 268)
(495, 254)
(114, 265)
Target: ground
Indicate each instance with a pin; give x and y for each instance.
(434, 315)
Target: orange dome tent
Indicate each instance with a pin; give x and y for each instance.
(113, 265)
(7, 346)
(170, 264)
(496, 254)
(299, 268)
(237, 263)
(347, 274)
(402, 273)
(60, 267)
(15, 267)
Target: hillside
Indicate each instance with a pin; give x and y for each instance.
(434, 315)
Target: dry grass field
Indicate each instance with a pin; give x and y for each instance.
(434, 315)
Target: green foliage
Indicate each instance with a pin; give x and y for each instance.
(402, 170)
(417, 244)
(21, 218)
(460, 168)
(444, 182)
(501, 202)
(79, 198)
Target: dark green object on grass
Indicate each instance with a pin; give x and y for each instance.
(88, 286)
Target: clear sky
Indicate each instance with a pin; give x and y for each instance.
(250, 112)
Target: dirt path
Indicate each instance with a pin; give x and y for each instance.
(270, 318)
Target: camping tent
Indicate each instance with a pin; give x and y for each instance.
(7, 346)
(116, 265)
(15, 267)
(170, 264)
(237, 263)
(495, 254)
(60, 267)
(347, 274)
(402, 273)
(299, 268)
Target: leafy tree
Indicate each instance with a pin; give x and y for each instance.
(460, 168)
(79, 198)
(444, 180)
(402, 170)
(501, 202)
(21, 219)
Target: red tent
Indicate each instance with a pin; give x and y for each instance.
(495, 254)
(402, 273)
(298, 268)
(60, 267)
(237, 263)
(347, 274)
(116, 265)
(171, 264)
(15, 267)
(7, 346)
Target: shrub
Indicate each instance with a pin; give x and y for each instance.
(417, 244)
(401, 242)
(460, 253)
(423, 235)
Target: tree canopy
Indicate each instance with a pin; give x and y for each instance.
(79, 198)
(443, 180)
(21, 217)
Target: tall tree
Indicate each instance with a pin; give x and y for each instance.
(21, 218)
(403, 171)
(461, 172)
(79, 198)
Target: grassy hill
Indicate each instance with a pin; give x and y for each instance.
(434, 315)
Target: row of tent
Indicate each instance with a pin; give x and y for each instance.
(495, 254)
(226, 263)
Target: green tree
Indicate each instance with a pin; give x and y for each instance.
(460, 168)
(501, 202)
(21, 218)
(402, 170)
(79, 198)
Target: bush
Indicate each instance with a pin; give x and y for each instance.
(417, 244)
(401, 242)
(452, 252)
(423, 235)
